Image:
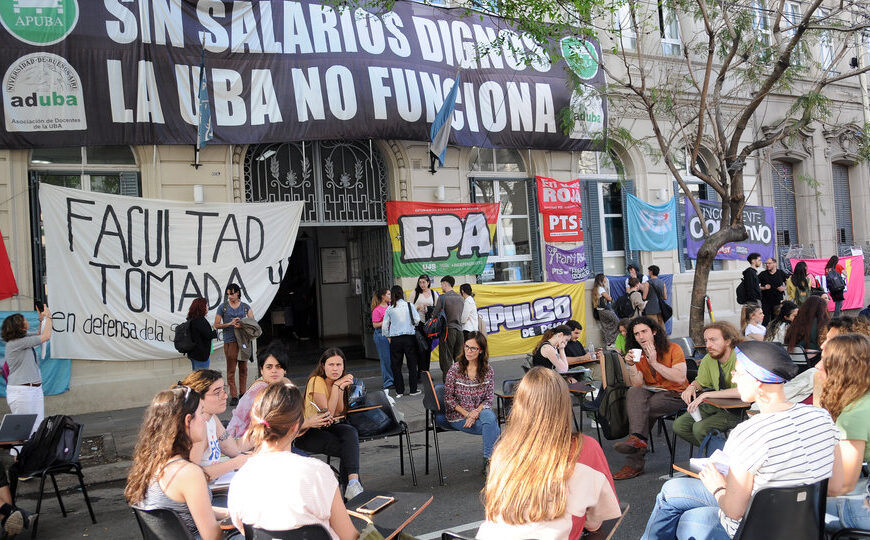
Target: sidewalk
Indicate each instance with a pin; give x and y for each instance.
(110, 436)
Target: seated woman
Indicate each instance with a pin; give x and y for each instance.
(277, 490)
(751, 318)
(785, 314)
(469, 390)
(845, 376)
(786, 444)
(808, 325)
(619, 344)
(550, 351)
(325, 405)
(545, 483)
(161, 475)
(272, 362)
(209, 384)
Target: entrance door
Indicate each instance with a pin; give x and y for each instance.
(372, 268)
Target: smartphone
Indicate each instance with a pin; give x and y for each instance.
(376, 504)
(38, 305)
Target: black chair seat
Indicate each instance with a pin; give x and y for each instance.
(160, 523)
(793, 513)
(306, 532)
(851, 534)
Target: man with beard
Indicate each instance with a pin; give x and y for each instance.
(713, 381)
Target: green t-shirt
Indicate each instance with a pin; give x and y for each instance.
(619, 344)
(708, 373)
(854, 422)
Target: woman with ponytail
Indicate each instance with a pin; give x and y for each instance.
(276, 489)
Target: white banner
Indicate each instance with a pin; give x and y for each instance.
(122, 271)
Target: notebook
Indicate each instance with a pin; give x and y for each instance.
(16, 427)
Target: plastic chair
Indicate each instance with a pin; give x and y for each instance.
(397, 428)
(850, 534)
(685, 343)
(160, 523)
(70, 467)
(504, 401)
(793, 513)
(306, 532)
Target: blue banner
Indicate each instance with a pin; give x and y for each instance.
(55, 371)
(651, 227)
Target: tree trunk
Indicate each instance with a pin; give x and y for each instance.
(706, 254)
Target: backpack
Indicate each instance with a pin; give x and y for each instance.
(836, 283)
(742, 296)
(435, 326)
(612, 415)
(53, 443)
(622, 306)
(184, 338)
(715, 440)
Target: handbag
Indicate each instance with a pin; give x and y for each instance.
(666, 310)
(423, 343)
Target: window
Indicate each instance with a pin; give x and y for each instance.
(627, 36)
(513, 250)
(700, 190)
(792, 16)
(761, 23)
(497, 160)
(604, 190)
(782, 175)
(842, 204)
(826, 47)
(669, 28)
(104, 169)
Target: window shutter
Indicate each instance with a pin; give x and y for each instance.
(842, 204)
(592, 226)
(783, 201)
(630, 256)
(534, 233)
(682, 252)
(130, 184)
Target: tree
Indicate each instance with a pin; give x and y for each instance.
(711, 94)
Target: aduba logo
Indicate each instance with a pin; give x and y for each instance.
(43, 92)
(39, 22)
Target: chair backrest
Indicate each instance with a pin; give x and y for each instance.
(510, 386)
(306, 532)
(430, 398)
(795, 513)
(686, 344)
(378, 397)
(798, 355)
(851, 534)
(160, 523)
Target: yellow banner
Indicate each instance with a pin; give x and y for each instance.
(517, 315)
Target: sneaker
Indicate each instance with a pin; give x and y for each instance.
(17, 521)
(353, 489)
(627, 472)
(415, 393)
(398, 395)
(632, 445)
(485, 469)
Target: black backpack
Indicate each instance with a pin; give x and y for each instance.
(612, 415)
(836, 283)
(622, 306)
(742, 296)
(435, 326)
(53, 443)
(184, 338)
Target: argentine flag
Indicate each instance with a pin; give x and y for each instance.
(440, 131)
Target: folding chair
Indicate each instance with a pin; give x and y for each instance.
(397, 428)
(73, 466)
(504, 400)
(793, 513)
(306, 532)
(433, 401)
(160, 523)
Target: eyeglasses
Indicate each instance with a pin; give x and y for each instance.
(472, 349)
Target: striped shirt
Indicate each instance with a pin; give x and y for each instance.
(794, 447)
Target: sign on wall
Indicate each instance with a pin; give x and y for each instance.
(561, 212)
(853, 269)
(566, 265)
(760, 222)
(127, 73)
(516, 316)
(122, 271)
(441, 238)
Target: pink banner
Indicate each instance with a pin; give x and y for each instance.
(853, 269)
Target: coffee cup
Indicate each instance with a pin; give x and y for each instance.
(696, 415)
(635, 355)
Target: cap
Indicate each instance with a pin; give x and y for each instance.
(765, 361)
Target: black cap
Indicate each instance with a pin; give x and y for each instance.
(776, 365)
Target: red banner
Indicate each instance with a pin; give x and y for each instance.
(562, 228)
(555, 197)
(8, 287)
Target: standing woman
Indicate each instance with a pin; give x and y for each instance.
(799, 285)
(602, 302)
(424, 297)
(24, 384)
(201, 332)
(545, 483)
(380, 302)
(469, 392)
(469, 311)
(399, 322)
(550, 351)
(161, 475)
(325, 403)
(835, 282)
(233, 311)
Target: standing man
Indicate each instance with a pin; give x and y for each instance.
(233, 311)
(714, 379)
(750, 278)
(656, 380)
(655, 289)
(772, 283)
(450, 340)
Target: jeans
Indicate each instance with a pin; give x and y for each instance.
(195, 365)
(711, 418)
(338, 440)
(842, 512)
(837, 307)
(486, 425)
(684, 509)
(383, 346)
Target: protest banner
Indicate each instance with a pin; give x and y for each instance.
(651, 227)
(760, 223)
(122, 271)
(517, 315)
(88, 73)
(566, 265)
(441, 238)
(853, 268)
(555, 197)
